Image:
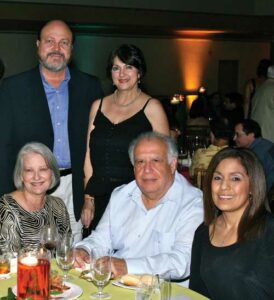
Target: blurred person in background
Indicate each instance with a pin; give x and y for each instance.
(220, 137)
(233, 110)
(263, 106)
(253, 84)
(248, 134)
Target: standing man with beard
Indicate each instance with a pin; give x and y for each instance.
(49, 104)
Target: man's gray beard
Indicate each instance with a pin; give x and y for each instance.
(54, 68)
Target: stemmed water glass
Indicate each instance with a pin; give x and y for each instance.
(65, 255)
(100, 270)
(49, 237)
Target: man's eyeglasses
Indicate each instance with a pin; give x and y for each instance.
(64, 44)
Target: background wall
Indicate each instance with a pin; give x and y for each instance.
(173, 64)
(210, 6)
(243, 7)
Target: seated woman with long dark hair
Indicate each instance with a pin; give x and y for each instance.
(233, 250)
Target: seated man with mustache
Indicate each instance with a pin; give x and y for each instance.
(150, 222)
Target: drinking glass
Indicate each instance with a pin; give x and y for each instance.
(165, 286)
(100, 270)
(182, 157)
(65, 255)
(148, 288)
(49, 237)
(4, 264)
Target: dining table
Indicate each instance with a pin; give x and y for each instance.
(178, 292)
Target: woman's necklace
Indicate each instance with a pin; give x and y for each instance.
(127, 104)
(228, 235)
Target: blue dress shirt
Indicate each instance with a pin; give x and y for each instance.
(264, 149)
(58, 101)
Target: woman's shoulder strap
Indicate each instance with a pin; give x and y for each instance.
(100, 105)
(147, 103)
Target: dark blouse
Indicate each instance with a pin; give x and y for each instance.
(239, 271)
(109, 149)
(109, 155)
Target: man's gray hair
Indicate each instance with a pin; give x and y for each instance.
(46, 153)
(172, 151)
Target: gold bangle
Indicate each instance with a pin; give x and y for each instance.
(88, 197)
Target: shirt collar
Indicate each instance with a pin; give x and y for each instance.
(45, 83)
(136, 194)
(255, 142)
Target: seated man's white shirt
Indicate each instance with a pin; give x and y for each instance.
(155, 240)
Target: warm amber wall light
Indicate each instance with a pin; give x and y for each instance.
(193, 59)
(198, 33)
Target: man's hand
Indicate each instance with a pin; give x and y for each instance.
(118, 267)
(81, 258)
(88, 209)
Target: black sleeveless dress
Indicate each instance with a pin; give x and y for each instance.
(109, 156)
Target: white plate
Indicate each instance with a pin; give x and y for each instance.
(5, 276)
(74, 292)
(120, 284)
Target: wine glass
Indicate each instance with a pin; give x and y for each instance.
(49, 237)
(100, 270)
(65, 255)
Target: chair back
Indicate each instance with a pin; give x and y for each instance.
(198, 179)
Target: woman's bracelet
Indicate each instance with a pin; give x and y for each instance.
(88, 197)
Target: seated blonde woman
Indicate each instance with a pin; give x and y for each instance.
(220, 137)
(27, 209)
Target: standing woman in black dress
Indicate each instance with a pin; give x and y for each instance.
(114, 122)
(233, 250)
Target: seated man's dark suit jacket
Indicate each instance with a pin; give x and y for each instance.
(25, 117)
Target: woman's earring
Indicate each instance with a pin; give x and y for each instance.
(250, 196)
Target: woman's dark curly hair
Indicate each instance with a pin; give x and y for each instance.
(130, 55)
